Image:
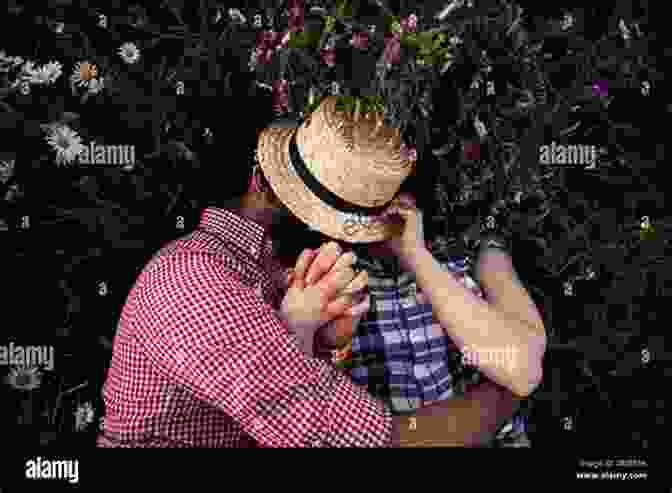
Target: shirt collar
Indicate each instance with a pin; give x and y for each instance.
(240, 232)
(378, 267)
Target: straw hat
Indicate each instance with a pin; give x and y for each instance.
(336, 173)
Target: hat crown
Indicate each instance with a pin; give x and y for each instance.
(357, 160)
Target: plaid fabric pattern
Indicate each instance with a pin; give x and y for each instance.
(402, 355)
(201, 359)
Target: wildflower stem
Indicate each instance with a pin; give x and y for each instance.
(57, 404)
(381, 4)
(80, 386)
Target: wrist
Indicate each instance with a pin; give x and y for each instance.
(414, 258)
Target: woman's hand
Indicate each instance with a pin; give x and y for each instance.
(411, 239)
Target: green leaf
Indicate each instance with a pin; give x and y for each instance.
(344, 9)
(410, 40)
(426, 38)
(647, 234)
(388, 21)
(329, 24)
(298, 40)
(345, 365)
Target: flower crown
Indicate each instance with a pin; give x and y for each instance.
(311, 56)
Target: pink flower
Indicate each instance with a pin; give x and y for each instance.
(409, 24)
(296, 15)
(263, 55)
(267, 39)
(408, 153)
(328, 56)
(284, 41)
(267, 43)
(471, 151)
(392, 53)
(360, 40)
(281, 96)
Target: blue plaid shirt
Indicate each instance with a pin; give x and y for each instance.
(401, 353)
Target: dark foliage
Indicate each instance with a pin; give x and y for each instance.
(596, 273)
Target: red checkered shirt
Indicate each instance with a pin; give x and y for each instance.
(201, 359)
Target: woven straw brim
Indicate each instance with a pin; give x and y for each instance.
(273, 157)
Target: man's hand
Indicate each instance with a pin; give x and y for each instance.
(307, 307)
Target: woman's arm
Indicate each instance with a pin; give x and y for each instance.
(506, 349)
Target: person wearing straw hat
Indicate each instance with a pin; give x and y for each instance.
(216, 346)
(343, 178)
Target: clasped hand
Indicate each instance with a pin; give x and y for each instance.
(324, 292)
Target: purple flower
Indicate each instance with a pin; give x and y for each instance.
(328, 56)
(600, 89)
(281, 96)
(360, 40)
(392, 53)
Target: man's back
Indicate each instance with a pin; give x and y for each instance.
(201, 360)
(144, 405)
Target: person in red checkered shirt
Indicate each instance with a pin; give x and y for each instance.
(217, 346)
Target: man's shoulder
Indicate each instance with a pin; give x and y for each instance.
(182, 268)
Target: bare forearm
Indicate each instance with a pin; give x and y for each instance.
(469, 421)
(507, 349)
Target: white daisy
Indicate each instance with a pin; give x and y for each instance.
(97, 85)
(455, 40)
(9, 62)
(567, 22)
(6, 169)
(14, 192)
(66, 142)
(129, 52)
(24, 378)
(83, 416)
(28, 68)
(46, 74)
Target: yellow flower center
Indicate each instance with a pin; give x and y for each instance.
(87, 71)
